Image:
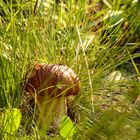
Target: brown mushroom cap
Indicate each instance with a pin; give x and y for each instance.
(53, 80)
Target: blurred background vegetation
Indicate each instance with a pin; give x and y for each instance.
(99, 39)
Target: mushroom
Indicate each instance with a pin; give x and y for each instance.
(50, 85)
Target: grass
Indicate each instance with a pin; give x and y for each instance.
(94, 43)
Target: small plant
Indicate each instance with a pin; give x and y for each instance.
(67, 129)
(10, 122)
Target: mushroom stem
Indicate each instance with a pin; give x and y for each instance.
(50, 113)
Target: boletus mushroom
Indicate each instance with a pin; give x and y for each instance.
(49, 85)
